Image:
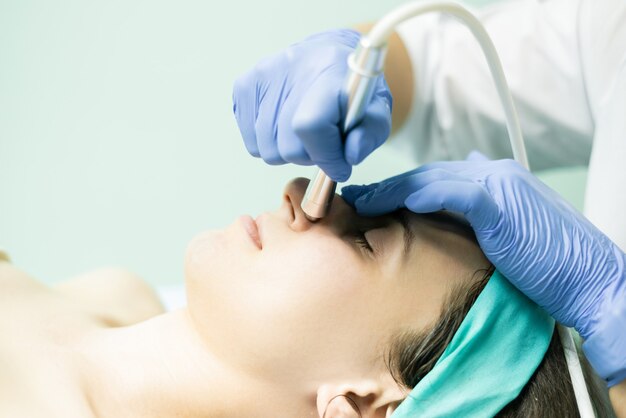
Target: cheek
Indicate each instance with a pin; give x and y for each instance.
(215, 255)
(274, 311)
(293, 269)
(200, 251)
(316, 271)
(312, 299)
(215, 264)
(290, 288)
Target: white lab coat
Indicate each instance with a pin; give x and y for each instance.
(565, 61)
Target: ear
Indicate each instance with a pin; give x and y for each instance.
(366, 398)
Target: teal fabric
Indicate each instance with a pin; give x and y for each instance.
(492, 356)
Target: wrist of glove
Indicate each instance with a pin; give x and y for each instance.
(605, 344)
(543, 246)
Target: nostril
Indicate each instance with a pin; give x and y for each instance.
(290, 205)
(300, 224)
(294, 193)
(299, 221)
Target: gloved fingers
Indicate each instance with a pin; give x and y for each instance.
(439, 170)
(245, 103)
(371, 132)
(450, 166)
(466, 197)
(476, 156)
(474, 168)
(266, 132)
(336, 169)
(391, 194)
(290, 147)
(352, 192)
(316, 123)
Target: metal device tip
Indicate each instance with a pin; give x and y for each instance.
(311, 218)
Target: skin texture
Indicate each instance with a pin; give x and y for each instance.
(297, 328)
(115, 295)
(617, 394)
(338, 303)
(39, 374)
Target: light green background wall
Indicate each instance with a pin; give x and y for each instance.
(117, 140)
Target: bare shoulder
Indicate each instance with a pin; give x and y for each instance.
(115, 295)
(16, 285)
(618, 399)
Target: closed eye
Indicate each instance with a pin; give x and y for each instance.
(363, 242)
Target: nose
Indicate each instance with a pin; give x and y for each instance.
(293, 195)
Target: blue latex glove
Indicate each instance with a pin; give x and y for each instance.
(290, 107)
(537, 240)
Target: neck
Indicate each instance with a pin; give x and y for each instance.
(161, 368)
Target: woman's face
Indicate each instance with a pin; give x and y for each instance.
(312, 302)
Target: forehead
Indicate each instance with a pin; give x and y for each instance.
(443, 255)
(446, 238)
(434, 229)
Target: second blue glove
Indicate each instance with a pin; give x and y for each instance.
(543, 246)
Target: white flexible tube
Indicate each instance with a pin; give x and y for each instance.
(585, 407)
(378, 36)
(383, 29)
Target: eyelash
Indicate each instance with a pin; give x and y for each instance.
(362, 241)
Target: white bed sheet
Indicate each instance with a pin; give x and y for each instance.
(173, 296)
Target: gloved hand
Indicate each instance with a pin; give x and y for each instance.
(290, 107)
(537, 240)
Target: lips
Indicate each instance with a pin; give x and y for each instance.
(252, 229)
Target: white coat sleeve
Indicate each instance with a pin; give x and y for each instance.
(603, 49)
(455, 106)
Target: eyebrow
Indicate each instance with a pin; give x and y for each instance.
(402, 218)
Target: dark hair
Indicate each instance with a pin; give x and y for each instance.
(549, 392)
